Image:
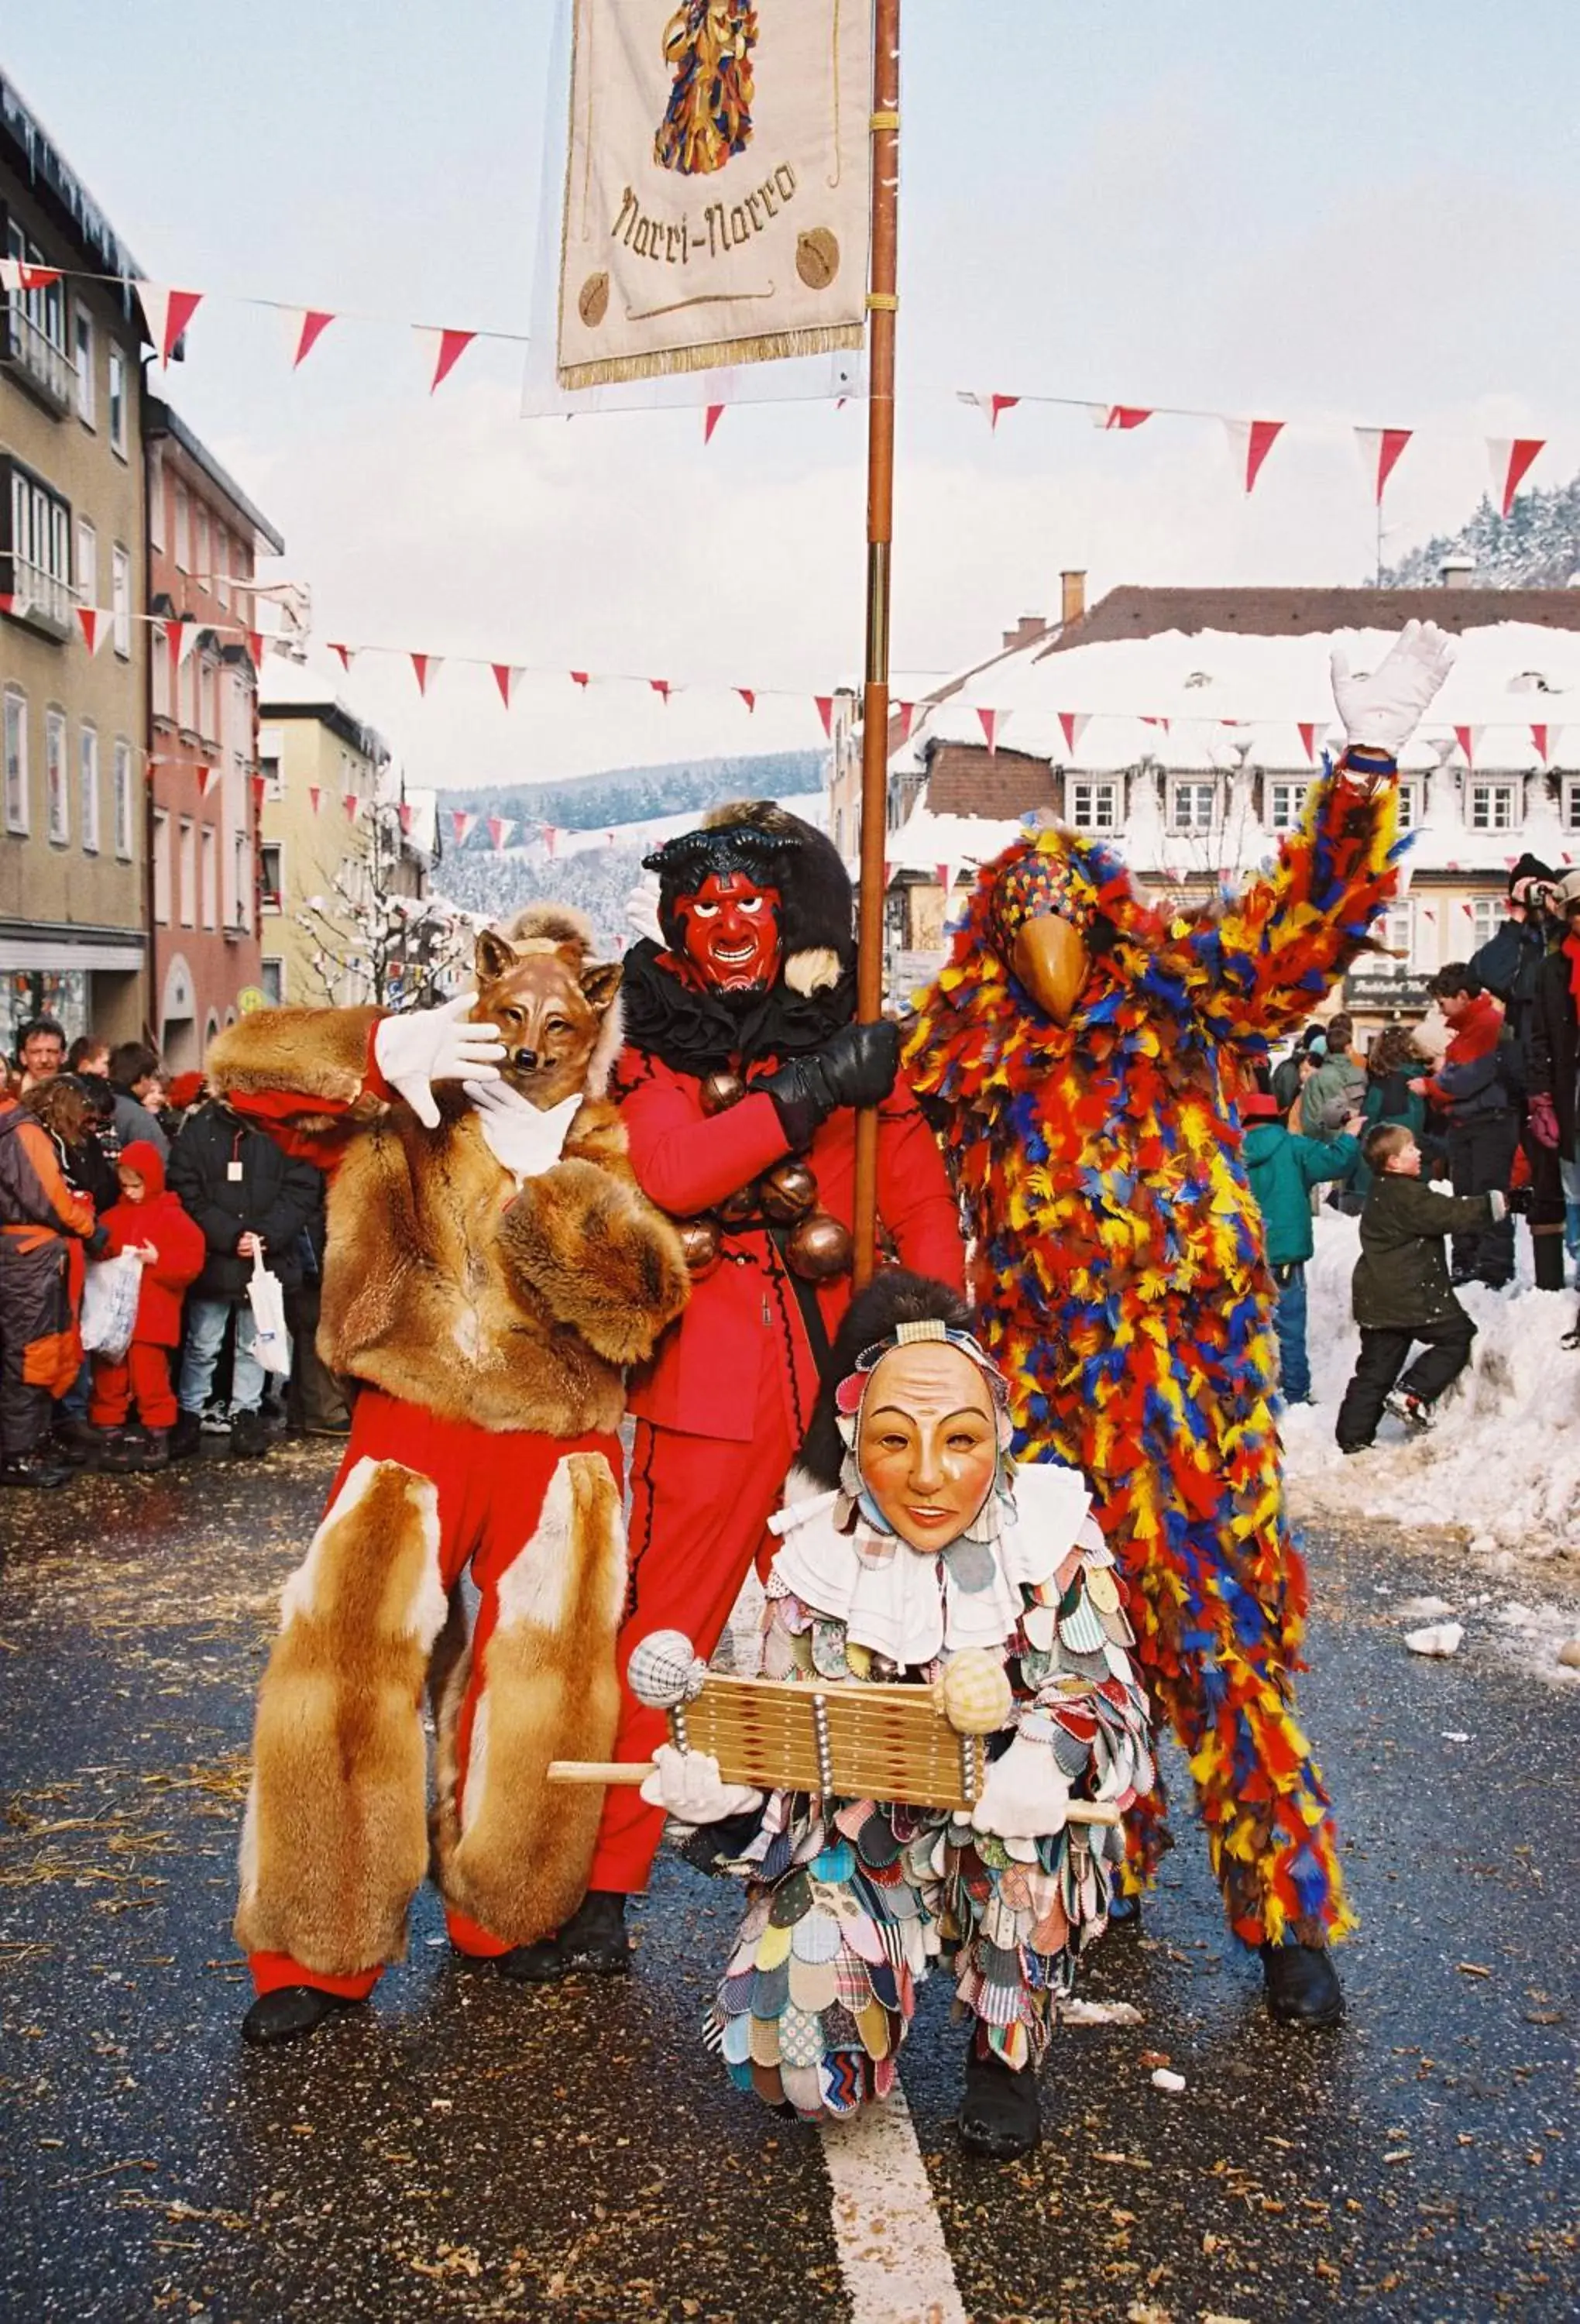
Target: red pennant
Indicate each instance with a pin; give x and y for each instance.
(1538, 735)
(168, 314)
(661, 687)
(453, 346)
(315, 797)
(351, 803)
(748, 695)
(1308, 731)
(941, 873)
(315, 321)
(16, 274)
(1512, 457)
(582, 677)
(260, 785)
(1125, 415)
(549, 836)
(1379, 449)
(499, 827)
(904, 711)
(710, 419)
(408, 815)
(90, 619)
(825, 711)
(1465, 738)
(505, 677)
(998, 404)
(1074, 723)
(255, 648)
(426, 666)
(1250, 441)
(461, 823)
(345, 653)
(205, 777)
(1156, 721)
(989, 723)
(6, 600)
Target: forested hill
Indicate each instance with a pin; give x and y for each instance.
(640, 794)
(1537, 545)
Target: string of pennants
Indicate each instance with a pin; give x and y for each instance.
(168, 311)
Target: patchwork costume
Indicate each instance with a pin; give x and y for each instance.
(44, 1224)
(1120, 1270)
(487, 1309)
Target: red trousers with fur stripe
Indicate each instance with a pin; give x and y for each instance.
(491, 1484)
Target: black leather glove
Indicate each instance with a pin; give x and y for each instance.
(855, 1067)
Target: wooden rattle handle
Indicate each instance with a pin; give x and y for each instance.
(628, 1771)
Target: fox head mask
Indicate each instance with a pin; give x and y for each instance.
(556, 1008)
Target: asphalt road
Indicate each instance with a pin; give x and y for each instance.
(464, 2149)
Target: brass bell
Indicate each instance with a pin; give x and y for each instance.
(788, 1192)
(717, 1092)
(819, 1249)
(736, 1209)
(699, 1241)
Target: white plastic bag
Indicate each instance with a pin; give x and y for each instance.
(271, 1340)
(110, 1293)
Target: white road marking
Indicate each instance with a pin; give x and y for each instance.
(892, 2253)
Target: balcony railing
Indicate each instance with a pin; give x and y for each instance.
(35, 355)
(39, 597)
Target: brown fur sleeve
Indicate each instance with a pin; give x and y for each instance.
(318, 1055)
(598, 1134)
(599, 1255)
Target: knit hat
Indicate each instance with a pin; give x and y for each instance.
(774, 849)
(1529, 867)
(1260, 1105)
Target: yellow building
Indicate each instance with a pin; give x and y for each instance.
(323, 842)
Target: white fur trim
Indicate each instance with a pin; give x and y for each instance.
(816, 969)
(474, 1790)
(536, 1585)
(429, 1604)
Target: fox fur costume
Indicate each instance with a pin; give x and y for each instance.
(488, 1323)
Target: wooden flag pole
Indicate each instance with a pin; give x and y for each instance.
(883, 306)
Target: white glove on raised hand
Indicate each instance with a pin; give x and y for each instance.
(1381, 713)
(424, 1046)
(642, 908)
(526, 1141)
(1025, 1795)
(687, 1785)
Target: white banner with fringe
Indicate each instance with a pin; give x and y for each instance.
(716, 186)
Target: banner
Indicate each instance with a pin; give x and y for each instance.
(716, 191)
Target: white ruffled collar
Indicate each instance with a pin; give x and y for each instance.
(912, 1608)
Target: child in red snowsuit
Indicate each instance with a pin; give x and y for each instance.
(149, 1221)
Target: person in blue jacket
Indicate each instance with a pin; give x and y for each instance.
(1283, 1167)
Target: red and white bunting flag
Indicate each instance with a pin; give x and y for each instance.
(181, 639)
(1121, 415)
(582, 677)
(307, 326)
(260, 785)
(462, 825)
(662, 688)
(6, 600)
(1511, 457)
(1156, 721)
(888, 871)
(1541, 736)
(205, 775)
(989, 721)
(16, 274)
(1250, 442)
(1380, 450)
(499, 827)
(1469, 741)
(167, 313)
(710, 419)
(255, 648)
(315, 798)
(1308, 730)
(505, 676)
(443, 350)
(904, 711)
(96, 626)
(350, 801)
(749, 695)
(1074, 723)
(825, 711)
(407, 815)
(990, 406)
(345, 653)
(426, 666)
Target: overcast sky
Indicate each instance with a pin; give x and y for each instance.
(1342, 211)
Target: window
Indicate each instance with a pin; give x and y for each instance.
(1410, 806)
(271, 980)
(1286, 805)
(207, 723)
(57, 798)
(86, 384)
(187, 693)
(37, 567)
(86, 563)
(163, 702)
(16, 733)
(272, 875)
(156, 499)
(1192, 805)
(1494, 807)
(121, 601)
(123, 780)
(222, 549)
(189, 871)
(270, 767)
(162, 866)
(117, 369)
(241, 872)
(1093, 807)
(1397, 931)
(210, 841)
(183, 528)
(205, 565)
(88, 772)
(35, 326)
(1487, 916)
(1571, 803)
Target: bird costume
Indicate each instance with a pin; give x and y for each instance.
(1119, 1266)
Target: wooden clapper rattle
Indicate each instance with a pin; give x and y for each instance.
(853, 1742)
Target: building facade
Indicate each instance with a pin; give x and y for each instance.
(204, 536)
(74, 861)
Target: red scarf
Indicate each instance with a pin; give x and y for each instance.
(1572, 954)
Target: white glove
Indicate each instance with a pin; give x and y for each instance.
(526, 1141)
(424, 1046)
(1381, 713)
(1025, 1796)
(687, 1785)
(642, 908)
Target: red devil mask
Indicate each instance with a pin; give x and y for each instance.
(731, 930)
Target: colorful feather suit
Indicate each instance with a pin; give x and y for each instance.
(1122, 1287)
(708, 46)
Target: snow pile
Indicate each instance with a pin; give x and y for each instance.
(1503, 1459)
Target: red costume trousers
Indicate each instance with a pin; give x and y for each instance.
(142, 1377)
(491, 1485)
(700, 1508)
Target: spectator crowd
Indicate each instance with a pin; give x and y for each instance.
(102, 1160)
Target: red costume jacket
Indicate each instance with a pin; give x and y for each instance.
(704, 1375)
(160, 1220)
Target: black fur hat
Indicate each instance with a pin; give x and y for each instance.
(776, 850)
(893, 1298)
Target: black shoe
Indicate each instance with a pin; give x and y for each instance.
(75, 1439)
(250, 1439)
(999, 2115)
(1302, 1986)
(151, 1449)
(37, 1471)
(185, 1436)
(541, 1963)
(289, 2012)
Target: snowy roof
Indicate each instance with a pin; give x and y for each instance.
(291, 688)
